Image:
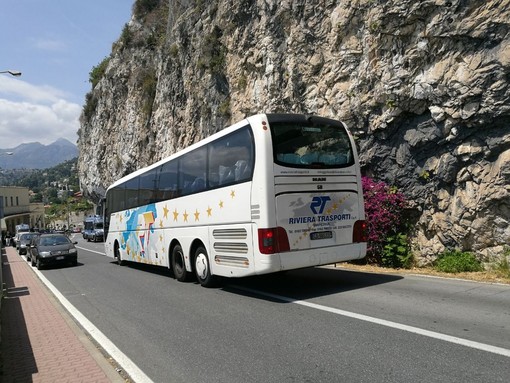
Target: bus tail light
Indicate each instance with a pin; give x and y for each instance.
(360, 232)
(273, 240)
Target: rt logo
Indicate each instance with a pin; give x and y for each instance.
(318, 204)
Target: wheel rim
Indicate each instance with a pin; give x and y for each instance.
(201, 266)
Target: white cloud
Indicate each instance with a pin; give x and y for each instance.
(37, 114)
(47, 44)
(24, 90)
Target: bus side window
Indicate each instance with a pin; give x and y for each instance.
(227, 174)
(241, 170)
(198, 185)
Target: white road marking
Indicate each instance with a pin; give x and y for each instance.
(383, 322)
(127, 364)
(91, 251)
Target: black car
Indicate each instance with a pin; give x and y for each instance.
(23, 242)
(52, 248)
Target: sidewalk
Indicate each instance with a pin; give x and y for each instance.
(40, 342)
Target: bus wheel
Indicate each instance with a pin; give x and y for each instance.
(178, 264)
(202, 268)
(120, 262)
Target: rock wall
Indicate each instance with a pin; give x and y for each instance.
(423, 84)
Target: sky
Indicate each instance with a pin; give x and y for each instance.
(54, 44)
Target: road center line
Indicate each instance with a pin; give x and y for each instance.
(127, 364)
(383, 322)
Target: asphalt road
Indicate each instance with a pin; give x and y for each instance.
(312, 325)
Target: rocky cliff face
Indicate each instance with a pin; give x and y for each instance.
(424, 85)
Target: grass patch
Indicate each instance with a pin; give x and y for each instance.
(455, 261)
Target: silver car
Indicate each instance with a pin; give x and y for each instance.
(23, 242)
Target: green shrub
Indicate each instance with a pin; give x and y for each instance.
(126, 37)
(224, 108)
(455, 261)
(174, 50)
(97, 72)
(396, 252)
(143, 7)
(213, 55)
(90, 106)
(149, 83)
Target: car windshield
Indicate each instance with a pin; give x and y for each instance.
(54, 240)
(27, 237)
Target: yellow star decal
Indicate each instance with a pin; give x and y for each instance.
(185, 215)
(221, 204)
(160, 238)
(209, 211)
(161, 223)
(233, 193)
(165, 212)
(197, 215)
(176, 214)
(120, 218)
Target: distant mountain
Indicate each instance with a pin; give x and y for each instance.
(35, 155)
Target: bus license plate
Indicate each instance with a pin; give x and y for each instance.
(321, 235)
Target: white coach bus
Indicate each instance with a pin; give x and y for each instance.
(270, 193)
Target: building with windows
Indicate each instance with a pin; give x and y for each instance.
(15, 209)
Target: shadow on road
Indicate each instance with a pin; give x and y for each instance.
(308, 283)
(297, 284)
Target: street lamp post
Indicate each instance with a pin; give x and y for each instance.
(15, 73)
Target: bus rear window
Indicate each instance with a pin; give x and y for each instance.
(311, 145)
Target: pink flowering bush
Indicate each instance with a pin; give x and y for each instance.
(384, 208)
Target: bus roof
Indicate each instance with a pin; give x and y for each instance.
(197, 144)
(258, 118)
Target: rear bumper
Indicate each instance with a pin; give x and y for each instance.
(322, 256)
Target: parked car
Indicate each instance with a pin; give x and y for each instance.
(15, 239)
(52, 248)
(20, 229)
(23, 242)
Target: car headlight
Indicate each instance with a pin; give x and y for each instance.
(72, 251)
(45, 254)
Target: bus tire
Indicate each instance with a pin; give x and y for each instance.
(179, 265)
(202, 268)
(120, 261)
